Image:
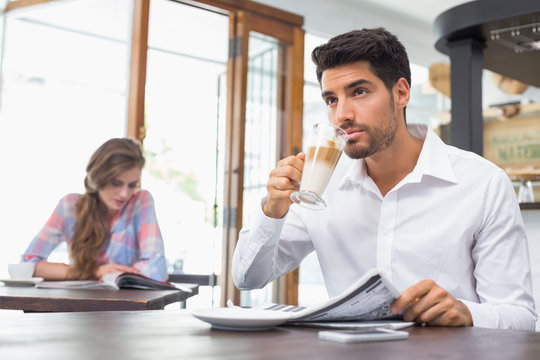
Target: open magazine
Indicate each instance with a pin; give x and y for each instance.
(111, 281)
(368, 299)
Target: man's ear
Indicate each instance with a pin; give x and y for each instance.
(402, 93)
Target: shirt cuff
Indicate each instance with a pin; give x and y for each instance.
(264, 229)
(482, 316)
(263, 219)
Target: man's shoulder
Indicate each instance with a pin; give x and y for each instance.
(463, 163)
(470, 164)
(469, 157)
(456, 155)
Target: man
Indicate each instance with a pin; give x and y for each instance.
(443, 224)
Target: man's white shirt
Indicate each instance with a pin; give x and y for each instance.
(454, 219)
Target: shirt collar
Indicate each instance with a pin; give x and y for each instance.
(433, 161)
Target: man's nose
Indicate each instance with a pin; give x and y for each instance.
(344, 112)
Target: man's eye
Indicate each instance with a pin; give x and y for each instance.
(330, 100)
(360, 92)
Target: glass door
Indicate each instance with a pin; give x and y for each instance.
(184, 146)
(260, 148)
(268, 119)
(219, 112)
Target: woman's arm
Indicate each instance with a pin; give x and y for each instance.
(51, 270)
(53, 233)
(151, 260)
(60, 271)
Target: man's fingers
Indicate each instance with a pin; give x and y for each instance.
(285, 178)
(283, 181)
(448, 312)
(292, 161)
(426, 302)
(411, 295)
(423, 311)
(434, 295)
(290, 168)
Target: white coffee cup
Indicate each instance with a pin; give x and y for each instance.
(21, 271)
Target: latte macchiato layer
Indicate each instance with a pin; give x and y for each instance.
(318, 168)
(328, 155)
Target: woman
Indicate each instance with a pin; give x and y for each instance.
(112, 227)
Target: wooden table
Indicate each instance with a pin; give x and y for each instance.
(30, 299)
(175, 334)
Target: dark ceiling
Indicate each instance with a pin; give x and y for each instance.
(510, 31)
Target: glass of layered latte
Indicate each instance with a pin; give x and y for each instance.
(324, 149)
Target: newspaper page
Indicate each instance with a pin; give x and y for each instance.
(368, 299)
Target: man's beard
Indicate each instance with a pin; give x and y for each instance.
(379, 138)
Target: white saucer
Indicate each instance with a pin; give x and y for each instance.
(241, 319)
(22, 282)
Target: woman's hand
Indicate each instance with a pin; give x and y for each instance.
(113, 268)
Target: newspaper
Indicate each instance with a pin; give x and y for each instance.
(368, 299)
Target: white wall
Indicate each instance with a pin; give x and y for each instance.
(411, 21)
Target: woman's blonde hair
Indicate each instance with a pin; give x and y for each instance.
(91, 231)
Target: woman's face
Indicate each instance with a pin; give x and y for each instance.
(120, 189)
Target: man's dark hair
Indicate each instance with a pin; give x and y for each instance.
(387, 57)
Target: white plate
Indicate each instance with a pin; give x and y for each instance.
(241, 319)
(22, 282)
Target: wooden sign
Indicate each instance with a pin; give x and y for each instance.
(514, 144)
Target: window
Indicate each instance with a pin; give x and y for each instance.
(66, 69)
(63, 94)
